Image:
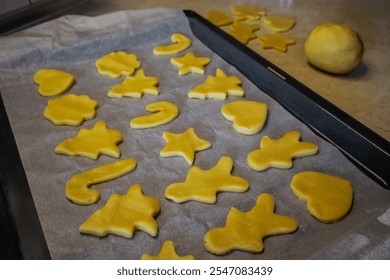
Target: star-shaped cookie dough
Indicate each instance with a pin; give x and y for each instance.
(91, 143)
(190, 63)
(218, 87)
(243, 12)
(168, 252)
(135, 86)
(184, 144)
(203, 185)
(218, 18)
(276, 41)
(124, 214)
(244, 32)
(245, 231)
(280, 152)
(116, 64)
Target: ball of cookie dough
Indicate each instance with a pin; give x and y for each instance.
(334, 47)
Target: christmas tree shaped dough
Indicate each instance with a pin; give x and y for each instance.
(244, 32)
(218, 18)
(163, 112)
(116, 64)
(190, 63)
(278, 23)
(53, 82)
(276, 41)
(180, 43)
(135, 86)
(168, 252)
(246, 12)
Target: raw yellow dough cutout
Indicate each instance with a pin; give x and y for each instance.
(168, 252)
(124, 214)
(245, 231)
(190, 63)
(135, 86)
(77, 188)
(246, 12)
(70, 109)
(163, 112)
(279, 153)
(116, 64)
(91, 143)
(278, 23)
(218, 18)
(276, 41)
(248, 117)
(53, 82)
(203, 185)
(218, 87)
(328, 198)
(184, 144)
(244, 32)
(180, 43)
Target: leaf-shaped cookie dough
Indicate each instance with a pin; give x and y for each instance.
(53, 82)
(276, 41)
(124, 214)
(280, 152)
(190, 63)
(203, 185)
(116, 64)
(245, 230)
(328, 198)
(168, 252)
(180, 43)
(163, 112)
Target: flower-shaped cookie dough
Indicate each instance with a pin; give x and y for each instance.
(276, 41)
(168, 252)
(53, 82)
(180, 43)
(70, 109)
(116, 64)
(190, 63)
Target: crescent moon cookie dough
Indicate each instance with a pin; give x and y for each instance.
(116, 64)
(244, 32)
(218, 87)
(217, 18)
(135, 86)
(278, 23)
(190, 63)
(328, 198)
(245, 231)
(124, 214)
(246, 12)
(180, 43)
(53, 82)
(276, 41)
(279, 153)
(91, 143)
(168, 252)
(248, 117)
(163, 112)
(70, 109)
(203, 185)
(77, 187)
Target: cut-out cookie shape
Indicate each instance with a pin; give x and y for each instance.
(135, 86)
(245, 230)
(77, 187)
(164, 112)
(218, 87)
(190, 63)
(203, 185)
(124, 214)
(116, 64)
(218, 18)
(276, 41)
(244, 12)
(168, 252)
(248, 117)
(279, 153)
(91, 143)
(328, 198)
(278, 23)
(70, 109)
(184, 144)
(244, 32)
(180, 43)
(53, 82)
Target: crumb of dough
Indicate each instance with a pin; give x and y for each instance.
(245, 231)
(190, 63)
(180, 43)
(184, 144)
(70, 109)
(163, 113)
(203, 185)
(91, 143)
(248, 117)
(278, 23)
(246, 12)
(116, 64)
(53, 82)
(168, 252)
(276, 41)
(135, 86)
(244, 32)
(77, 188)
(124, 214)
(218, 87)
(218, 18)
(279, 153)
(328, 198)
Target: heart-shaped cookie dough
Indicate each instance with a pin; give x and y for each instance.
(53, 82)
(328, 198)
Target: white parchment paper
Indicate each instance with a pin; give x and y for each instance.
(73, 44)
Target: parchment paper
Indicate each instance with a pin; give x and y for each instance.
(73, 44)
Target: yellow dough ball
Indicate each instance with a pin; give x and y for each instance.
(334, 48)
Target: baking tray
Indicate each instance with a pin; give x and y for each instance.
(23, 238)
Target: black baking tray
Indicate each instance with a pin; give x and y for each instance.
(21, 236)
